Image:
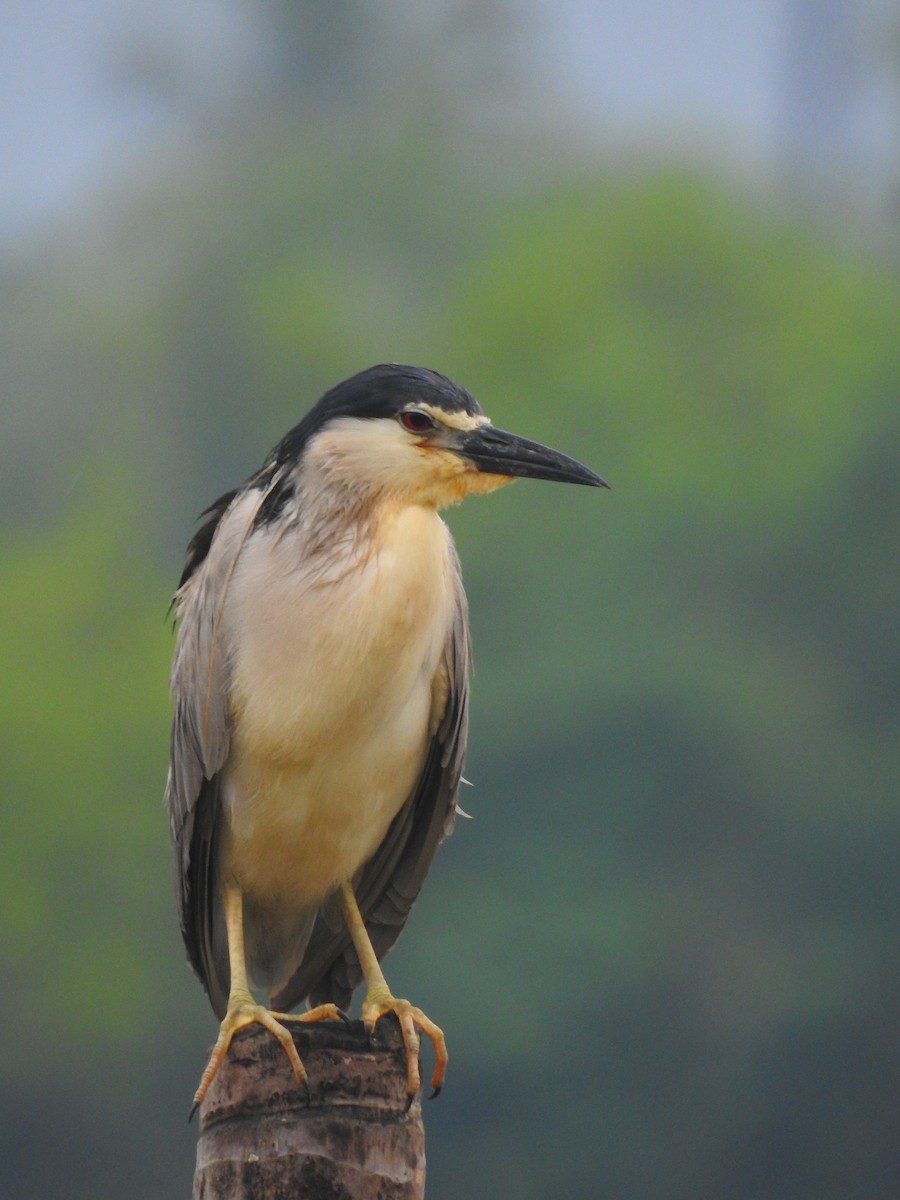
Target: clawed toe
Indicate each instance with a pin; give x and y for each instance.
(242, 1014)
(411, 1019)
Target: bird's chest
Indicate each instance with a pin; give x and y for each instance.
(332, 685)
(321, 646)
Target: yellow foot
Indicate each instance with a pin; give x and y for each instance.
(322, 1012)
(379, 1001)
(242, 1014)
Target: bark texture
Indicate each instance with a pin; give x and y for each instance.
(260, 1139)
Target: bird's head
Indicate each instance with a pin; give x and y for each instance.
(409, 434)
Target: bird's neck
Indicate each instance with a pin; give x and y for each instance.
(338, 523)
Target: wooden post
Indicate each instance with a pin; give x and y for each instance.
(353, 1140)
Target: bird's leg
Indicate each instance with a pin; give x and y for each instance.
(243, 1009)
(379, 1000)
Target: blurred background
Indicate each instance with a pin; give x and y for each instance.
(661, 236)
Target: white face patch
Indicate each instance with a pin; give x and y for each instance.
(379, 458)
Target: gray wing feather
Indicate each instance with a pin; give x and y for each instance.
(201, 739)
(388, 885)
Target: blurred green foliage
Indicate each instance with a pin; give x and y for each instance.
(665, 950)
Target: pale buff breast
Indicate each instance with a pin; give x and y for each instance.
(332, 685)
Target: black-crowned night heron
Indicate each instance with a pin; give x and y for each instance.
(320, 683)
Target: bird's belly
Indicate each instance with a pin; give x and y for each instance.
(332, 706)
(298, 829)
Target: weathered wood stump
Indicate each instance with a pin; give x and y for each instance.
(353, 1139)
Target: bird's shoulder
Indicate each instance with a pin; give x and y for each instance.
(269, 490)
(199, 545)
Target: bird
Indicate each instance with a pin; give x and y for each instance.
(320, 685)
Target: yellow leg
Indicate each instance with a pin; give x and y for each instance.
(378, 1001)
(243, 1009)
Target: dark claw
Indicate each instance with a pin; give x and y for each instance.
(344, 1016)
(410, 1096)
(437, 1091)
(191, 1113)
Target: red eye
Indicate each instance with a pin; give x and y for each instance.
(416, 421)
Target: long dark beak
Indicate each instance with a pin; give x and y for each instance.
(497, 452)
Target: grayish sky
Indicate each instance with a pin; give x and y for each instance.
(87, 85)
